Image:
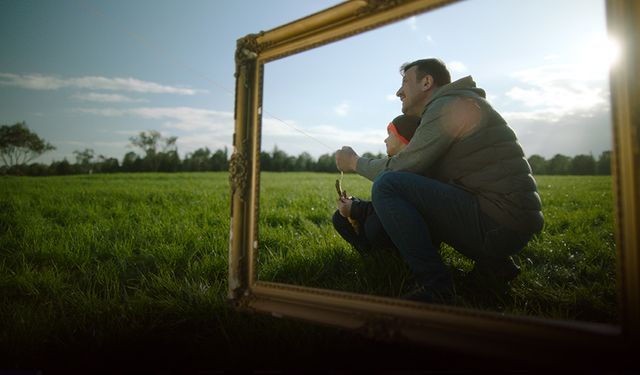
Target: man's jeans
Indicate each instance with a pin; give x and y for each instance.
(418, 213)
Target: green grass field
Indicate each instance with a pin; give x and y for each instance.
(98, 263)
(568, 272)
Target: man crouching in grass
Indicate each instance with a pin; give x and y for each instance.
(462, 180)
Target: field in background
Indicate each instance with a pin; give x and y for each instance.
(568, 271)
(100, 263)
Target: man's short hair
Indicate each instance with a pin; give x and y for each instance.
(436, 68)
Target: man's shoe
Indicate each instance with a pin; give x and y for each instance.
(493, 274)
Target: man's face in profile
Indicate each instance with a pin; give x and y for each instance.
(412, 93)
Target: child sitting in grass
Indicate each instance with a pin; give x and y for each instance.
(355, 219)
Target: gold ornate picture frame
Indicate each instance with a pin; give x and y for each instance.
(461, 329)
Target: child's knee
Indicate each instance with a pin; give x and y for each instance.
(338, 220)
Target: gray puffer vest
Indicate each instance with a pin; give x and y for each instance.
(490, 163)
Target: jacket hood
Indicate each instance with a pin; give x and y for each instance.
(463, 87)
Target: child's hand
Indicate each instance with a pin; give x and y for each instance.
(344, 206)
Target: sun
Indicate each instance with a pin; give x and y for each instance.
(611, 51)
(603, 53)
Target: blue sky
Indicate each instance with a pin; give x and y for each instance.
(91, 74)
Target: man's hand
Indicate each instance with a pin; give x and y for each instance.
(346, 159)
(344, 206)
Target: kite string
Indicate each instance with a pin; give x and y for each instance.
(300, 131)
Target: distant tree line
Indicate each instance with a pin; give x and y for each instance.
(278, 161)
(18, 146)
(578, 165)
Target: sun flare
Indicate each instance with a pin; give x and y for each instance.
(603, 53)
(611, 51)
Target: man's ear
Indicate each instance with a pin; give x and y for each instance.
(427, 82)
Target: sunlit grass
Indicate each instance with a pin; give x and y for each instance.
(129, 263)
(568, 271)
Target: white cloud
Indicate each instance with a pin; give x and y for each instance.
(430, 39)
(555, 91)
(43, 82)
(105, 112)
(392, 97)
(319, 139)
(106, 98)
(197, 127)
(560, 108)
(73, 143)
(179, 118)
(563, 107)
(212, 140)
(413, 25)
(125, 132)
(561, 73)
(187, 118)
(457, 66)
(90, 144)
(342, 109)
(115, 144)
(551, 56)
(572, 135)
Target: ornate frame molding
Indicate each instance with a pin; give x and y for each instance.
(476, 331)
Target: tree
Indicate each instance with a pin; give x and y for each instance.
(197, 160)
(83, 159)
(19, 145)
(265, 161)
(370, 155)
(603, 165)
(538, 164)
(107, 165)
(131, 162)
(220, 160)
(583, 165)
(327, 163)
(150, 143)
(168, 161)
(279, 160)
(37, 169)
(304, 162)
(61, 168)
(559, 165)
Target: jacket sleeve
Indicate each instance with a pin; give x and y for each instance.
(430, 141)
